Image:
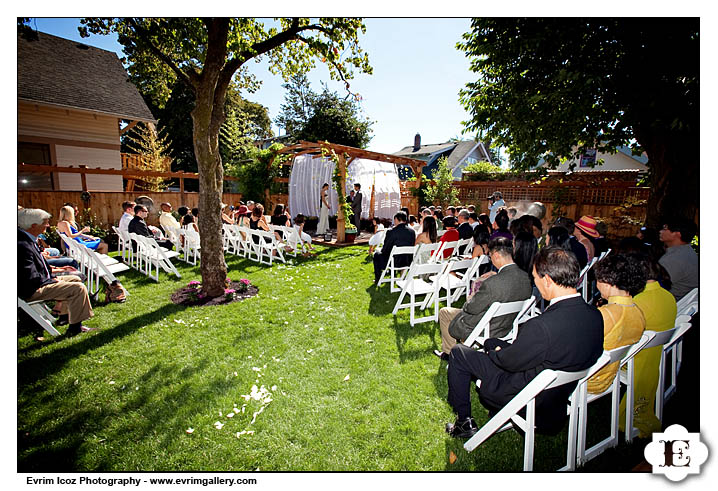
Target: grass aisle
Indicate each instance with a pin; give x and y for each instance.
(123, 398)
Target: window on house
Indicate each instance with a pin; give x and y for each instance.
(588, 159)
(33, 153)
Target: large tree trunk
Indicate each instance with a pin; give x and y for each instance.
(211, 176)
(674, 164)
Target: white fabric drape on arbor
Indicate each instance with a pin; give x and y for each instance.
(310, 173)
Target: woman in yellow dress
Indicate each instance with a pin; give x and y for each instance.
(618, 278)
(659, 309)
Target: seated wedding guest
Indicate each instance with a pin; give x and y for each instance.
(303, 236)
(510, 284)
(280, 216)
(473, 219)
(568, 336)
(585, 231)
(138, 226)
(465, 229)
(188, 221)
(578, 249)
(512, 211)
(400, 235)
(128, 212)
(618, 278)
(481, 241)
(502, 226)
(36, 280)
(428, 235)
(659, 310)
(601, 243)
(471, 209)
(226, 218)
(680, 260)
(439, 217)
(66, 225)
(257, 221)
(379, 232)
(536, 225)
(53, 256)
(484, 218)
(450, 235)
(558, 236)
(243, 216)
(167, 220)
(525, 248)
(450, 211)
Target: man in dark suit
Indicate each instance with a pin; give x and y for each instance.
(466, 231)
(400, 235)
(510, 284)
(138, 226)
(35, 278)
(568, 336)
(356, 207)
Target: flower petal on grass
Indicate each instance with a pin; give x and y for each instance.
(230, 415)
(218, 425)
(346, 378)
(452, 457)
(189, 431)
(236, 410)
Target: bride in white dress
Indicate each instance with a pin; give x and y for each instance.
(323, 225)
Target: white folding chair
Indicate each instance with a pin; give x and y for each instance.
(191, 246)
(154, 256)
(392, 269)
(470, 276)
(438, 256)
(459, 251)
(583, 279)
(124, 244)
(509, 415)
(453, 281)
(668, 340)
(40, 313)
(604, 254)
(100, 269)
(624, 356)
(497, 309)
(676, 353)
(414, 285)
(269, 247)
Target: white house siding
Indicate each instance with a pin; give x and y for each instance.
(77, 138)
(91, 157)
(617, 161)
(474, 156)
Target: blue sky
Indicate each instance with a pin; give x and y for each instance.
(414, 88)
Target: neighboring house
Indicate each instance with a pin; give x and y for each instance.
(71, 101)
(458, 155)
(265, 143)
(621, 160)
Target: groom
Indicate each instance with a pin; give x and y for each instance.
(356, 206)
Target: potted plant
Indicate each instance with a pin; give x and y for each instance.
(350, 233)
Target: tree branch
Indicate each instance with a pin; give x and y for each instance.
(191, 78)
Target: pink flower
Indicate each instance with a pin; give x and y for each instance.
(194, 284)
(245, 281)
(229, 292)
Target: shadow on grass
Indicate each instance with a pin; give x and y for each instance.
(142, 417)
(36, 368)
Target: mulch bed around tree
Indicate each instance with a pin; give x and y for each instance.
(184, 296)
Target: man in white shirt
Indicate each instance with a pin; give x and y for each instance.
(497, 201)
(167, 221)
(127, 216)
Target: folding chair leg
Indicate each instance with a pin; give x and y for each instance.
(529, 436)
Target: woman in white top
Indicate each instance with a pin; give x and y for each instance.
(323, 225)
(379, 232)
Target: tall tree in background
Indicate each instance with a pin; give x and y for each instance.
(553, 88)
(298, 104)
(309, 116)
(206, 55)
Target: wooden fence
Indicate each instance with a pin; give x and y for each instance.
(107, 206)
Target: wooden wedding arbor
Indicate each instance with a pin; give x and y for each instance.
(345, 156)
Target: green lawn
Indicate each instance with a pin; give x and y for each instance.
(123, 398)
